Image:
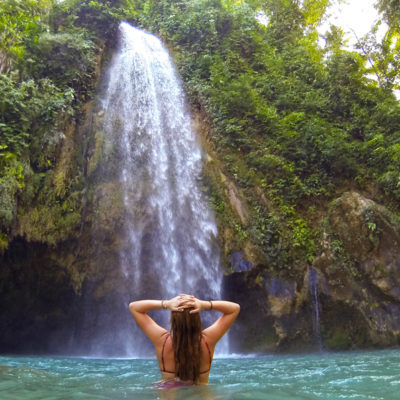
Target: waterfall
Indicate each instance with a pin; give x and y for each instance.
(169, 228)
(316, 307)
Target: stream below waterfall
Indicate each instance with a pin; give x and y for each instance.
(367, 375)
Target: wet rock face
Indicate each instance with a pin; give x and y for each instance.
(239, 262)
(274, 315)
(366, 229)
(348, 219)
(38, 299)
(371, 237)
(281, 295)
(361, 266)
(254, 330)
(357, 279)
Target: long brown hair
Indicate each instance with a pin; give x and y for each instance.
(186, 341)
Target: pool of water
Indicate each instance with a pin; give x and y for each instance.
(353, 375)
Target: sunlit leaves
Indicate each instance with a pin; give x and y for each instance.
(391, 11)
(314, 11)
(21, 21)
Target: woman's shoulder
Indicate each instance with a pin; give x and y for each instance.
(208, 339)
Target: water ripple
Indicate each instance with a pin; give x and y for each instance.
(357, 375)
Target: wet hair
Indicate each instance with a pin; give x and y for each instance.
(186, 341)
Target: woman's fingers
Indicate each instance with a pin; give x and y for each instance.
(183, 301)
(187, 302)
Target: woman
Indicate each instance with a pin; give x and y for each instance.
(184, 354)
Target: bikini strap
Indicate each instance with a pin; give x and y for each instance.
(162, 352)
(209, 351)
(209, 355)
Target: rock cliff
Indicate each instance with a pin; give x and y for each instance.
(358, 272)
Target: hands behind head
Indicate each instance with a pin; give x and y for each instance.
(179, 303)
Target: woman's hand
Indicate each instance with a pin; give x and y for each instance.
(197, 305)
(177, 303)
(189, 301)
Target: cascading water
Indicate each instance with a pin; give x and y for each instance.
(148, 139)
(316, 307)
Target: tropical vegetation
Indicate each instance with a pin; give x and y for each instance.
(295, 116)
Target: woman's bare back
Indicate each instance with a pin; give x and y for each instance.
(166, 361)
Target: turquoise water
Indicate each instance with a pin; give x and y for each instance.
(354, 375)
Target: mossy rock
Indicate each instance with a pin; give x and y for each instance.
(338, 340)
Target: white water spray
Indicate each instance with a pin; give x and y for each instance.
(170, 230)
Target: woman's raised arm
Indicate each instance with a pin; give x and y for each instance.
(139, 310)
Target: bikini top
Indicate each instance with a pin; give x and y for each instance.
(173, 372)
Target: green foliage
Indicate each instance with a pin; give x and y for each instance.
(391, 11)
(303, 238)
(48, 55)
(51, 221)
(11, 183)
(265, 231)
(383, 54)
(99, 19)
(294, 122)
(338, 339)
(294, 119)
(68, 59)
(390, 181)
(21, 22)
(3, 242)
(28, 106)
